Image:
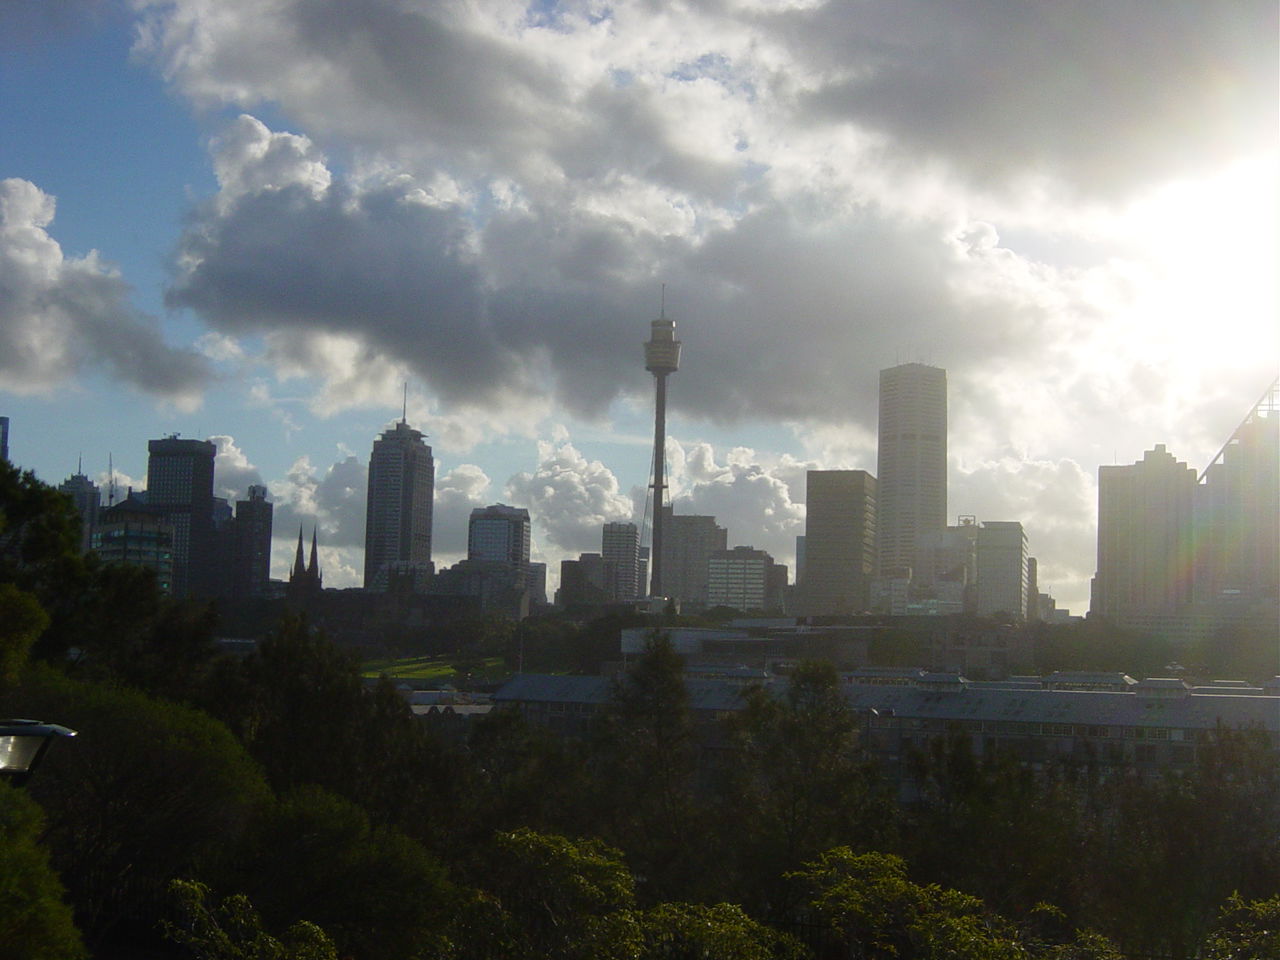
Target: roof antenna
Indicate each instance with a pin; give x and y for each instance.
(662, 314)
(111, 482)
(79, 464)
(404, 415)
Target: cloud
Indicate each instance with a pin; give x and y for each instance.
(569, 499)
(1005, 88)
(458, 492)
(61, 316)
(334, 500)
(232, 471)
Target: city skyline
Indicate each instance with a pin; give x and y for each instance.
(207, 244)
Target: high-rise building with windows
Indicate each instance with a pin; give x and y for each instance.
(402, 483)
(839, 542)
(620, 548)
(746, 579)
(180, 484)
(499, 533)
(911, 465)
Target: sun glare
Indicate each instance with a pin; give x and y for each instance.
(1209, 252)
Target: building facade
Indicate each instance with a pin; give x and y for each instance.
(398, 514)
(620, 547)
(688, 543)
(839, 542)
(499, 533)
(1145, 518)
(180, 484)
(1002, 570)
(911, 463)
(138, 533)
(743, 578)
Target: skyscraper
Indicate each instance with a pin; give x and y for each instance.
(180, 483)
(620, 547)
(1002, 569)
(839, 542)
(911, 466)
(402, 483)
(1237, 508)
(499, 533)
(85, 495)
(4, 439)
(252, 550)
(687, 546)
(1144, 538)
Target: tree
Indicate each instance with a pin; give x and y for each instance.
(22, 620)
(316, 856)
(877, 911)
(35, 922)
(687, 931)
(796, 772)
(646, 764)
(147, 791)
(1246, 930)
(561, 899)
(232, 929)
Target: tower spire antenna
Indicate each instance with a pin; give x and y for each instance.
(111, 482)
(662, 313)
(404, 410)
(661, 358)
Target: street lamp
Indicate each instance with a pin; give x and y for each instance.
(23, 744)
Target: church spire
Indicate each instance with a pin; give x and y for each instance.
(313, 568)
(298, 566)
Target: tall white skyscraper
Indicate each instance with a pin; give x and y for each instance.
(1002, 569)
(402, 483)
(911, 468)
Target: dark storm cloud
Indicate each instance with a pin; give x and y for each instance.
(60, 316)
(1103, 94)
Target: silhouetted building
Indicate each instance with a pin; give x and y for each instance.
(4, 439)
(402, 481)
(839, 542)
(180, 484)
(1237, 507)
(305, 579)
(687, 545)
(138, 533)
(85, 495)
(585, 582)
(1144, 538)
(911, 466)
(1002, 569)
(252, 562)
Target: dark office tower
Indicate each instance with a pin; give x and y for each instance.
(1144, 540)
(661, 358)
(4, 439)
(85, 495)
(180, 483)
(687, 547)
(911, 468)
(252, 544)
(402, 483)
(839, 542)
(1238, 514)
(500, 534)
(620, 546)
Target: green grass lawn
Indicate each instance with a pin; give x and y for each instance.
(430, 668)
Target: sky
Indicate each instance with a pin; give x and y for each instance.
(255, 221)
